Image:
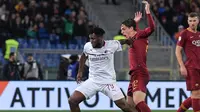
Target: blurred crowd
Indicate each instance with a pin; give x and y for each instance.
(32, 70)
(41, 24)
(173, 14)
(58, 23)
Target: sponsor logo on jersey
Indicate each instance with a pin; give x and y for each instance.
(196, 43)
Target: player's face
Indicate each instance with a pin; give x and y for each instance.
(193, 22)
(95, 40)
(126, 30)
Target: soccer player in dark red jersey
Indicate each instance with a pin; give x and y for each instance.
(189, 41)
(137, 60)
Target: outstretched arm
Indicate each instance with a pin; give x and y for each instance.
(128, 41)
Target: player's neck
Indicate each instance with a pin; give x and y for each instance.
(133, 34)
(100, 45)
(192, 30)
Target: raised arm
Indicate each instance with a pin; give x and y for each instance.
(151, 25)
(137, 18)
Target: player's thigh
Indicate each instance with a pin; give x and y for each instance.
(193, 82)
(193, 79)
(88, 88)
(76, 98)
(139, 81)
(112, 91)
(138, 96)
(130, 90)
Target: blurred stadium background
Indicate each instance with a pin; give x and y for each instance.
(52, 28)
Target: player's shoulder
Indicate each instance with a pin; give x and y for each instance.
(184, 33)
(88, 45)
(111, 42)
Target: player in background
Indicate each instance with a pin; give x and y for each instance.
(189, 41)
(137, 60)
(102, 77)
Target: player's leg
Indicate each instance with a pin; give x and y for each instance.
(196, 100)
(114, 93)
(185, 105)
(86, 90)
(123, 105)
(194, 75)
(131, 103)
(130, 97)
(139, 100)
(140, 79)
(188, 102)
(74, 100)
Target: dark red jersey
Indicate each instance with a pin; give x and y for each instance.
(138, 51)
(190, 42)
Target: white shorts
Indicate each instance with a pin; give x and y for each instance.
(90, 88)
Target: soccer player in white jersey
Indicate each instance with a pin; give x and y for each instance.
(102, 76)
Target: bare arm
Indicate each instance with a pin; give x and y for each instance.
(81, 68)
(82, 63)
(179, 55)
(126, 41)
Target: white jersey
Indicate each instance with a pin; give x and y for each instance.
(101, 61)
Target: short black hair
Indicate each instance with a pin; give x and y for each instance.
(74, 57)
(98, 31)
(130, 23)
(11, 54)
(193, 14)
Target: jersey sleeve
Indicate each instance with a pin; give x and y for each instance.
(182, 39)
(149, 30)
(85, 49)
(116, 45)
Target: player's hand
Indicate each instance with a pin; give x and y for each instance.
(183, 71)
(147, 6)
(130, 41)
(138, 16)
(79, 77)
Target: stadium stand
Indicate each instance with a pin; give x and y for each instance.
(173, 13)
(45, 24)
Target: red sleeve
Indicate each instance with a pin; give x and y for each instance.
(137, 26)
(182, 39)
(149, 30)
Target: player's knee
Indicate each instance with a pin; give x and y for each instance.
(137, 100)
(72, 101)
(121, 104)
(138, 97)
(196, 94)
